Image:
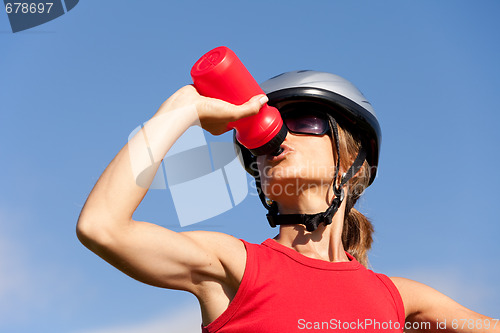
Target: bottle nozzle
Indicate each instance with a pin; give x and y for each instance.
(277, 151)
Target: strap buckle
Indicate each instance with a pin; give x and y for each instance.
(270, 219)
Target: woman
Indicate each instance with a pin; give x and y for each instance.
(312, 275)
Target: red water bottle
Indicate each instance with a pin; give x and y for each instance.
(220, 74)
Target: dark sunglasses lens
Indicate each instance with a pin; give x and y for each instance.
(306, 124)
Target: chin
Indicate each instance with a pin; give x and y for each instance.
(289, 189)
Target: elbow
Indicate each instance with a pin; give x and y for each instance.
(91, 233)
(98, 230)
(83, 231)
(87, 232)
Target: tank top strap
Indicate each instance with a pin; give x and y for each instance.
(246, 285)
(396, 296)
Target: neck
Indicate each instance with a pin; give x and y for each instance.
(325, 243)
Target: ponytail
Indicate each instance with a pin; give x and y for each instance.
(357, 235)
(357, 229)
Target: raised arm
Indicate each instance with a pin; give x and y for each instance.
(145, 251)
(430, 311)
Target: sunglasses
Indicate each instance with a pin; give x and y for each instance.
(306, 123)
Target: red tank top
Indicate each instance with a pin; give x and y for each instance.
(285, 291)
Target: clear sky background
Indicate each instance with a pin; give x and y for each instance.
(73, 89)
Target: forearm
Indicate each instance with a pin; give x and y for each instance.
(125, 181)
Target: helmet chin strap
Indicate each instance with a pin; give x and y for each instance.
(312, 221)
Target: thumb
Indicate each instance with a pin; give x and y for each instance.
(253, 105)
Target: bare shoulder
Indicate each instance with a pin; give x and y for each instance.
(406, 285)
(411, 292)
(217, 242)
(229, 250)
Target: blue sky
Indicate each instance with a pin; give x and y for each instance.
(73, 89)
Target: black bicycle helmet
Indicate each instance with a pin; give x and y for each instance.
(343, 103)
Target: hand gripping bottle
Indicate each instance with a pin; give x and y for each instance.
(220, 74)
